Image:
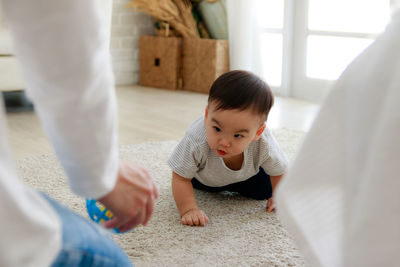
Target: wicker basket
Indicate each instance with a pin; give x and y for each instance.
(161, 62)
(204, 60)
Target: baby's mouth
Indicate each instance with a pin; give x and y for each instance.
(221, 152)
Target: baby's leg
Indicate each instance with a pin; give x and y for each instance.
(198, 185)
(257, 187)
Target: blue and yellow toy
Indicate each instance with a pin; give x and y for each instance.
(99, 213)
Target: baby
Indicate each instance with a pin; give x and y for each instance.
(229, 148)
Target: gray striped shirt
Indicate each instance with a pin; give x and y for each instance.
(194, 158)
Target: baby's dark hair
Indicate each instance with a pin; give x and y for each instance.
(241, 90)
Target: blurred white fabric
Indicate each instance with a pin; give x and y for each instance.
(341, 197)
(63, 50)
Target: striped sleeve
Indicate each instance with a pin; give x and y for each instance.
(187, 157)
(275, 161)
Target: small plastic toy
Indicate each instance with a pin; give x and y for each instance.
(99, 213)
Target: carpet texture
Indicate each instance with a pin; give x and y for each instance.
(239, 232)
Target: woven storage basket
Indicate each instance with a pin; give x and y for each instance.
(161, 62)
(204, 60)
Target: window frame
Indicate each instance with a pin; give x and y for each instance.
(295, 32)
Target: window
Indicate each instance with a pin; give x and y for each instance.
(306, 44)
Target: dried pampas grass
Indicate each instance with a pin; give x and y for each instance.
(178, 13)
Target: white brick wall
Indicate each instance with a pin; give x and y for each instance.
(126, 28)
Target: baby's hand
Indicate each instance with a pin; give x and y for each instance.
(270, 205)
(194, 217)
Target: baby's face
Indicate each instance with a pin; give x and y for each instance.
(229, 132)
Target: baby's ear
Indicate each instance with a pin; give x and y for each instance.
(259, 132)
(205, 114)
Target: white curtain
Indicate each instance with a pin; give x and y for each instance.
(244, 32)
(106, 8)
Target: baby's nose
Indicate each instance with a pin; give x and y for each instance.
(225, 142)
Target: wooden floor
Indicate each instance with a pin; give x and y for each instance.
(148, 114)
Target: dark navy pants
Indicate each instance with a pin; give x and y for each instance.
(257, 187)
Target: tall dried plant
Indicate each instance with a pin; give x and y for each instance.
(175, 12)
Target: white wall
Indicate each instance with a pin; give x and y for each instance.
(126, 28)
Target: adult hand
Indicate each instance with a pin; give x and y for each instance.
(270, 205)
(194, 217)
(132, 199)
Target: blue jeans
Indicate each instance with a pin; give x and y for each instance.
(85, 243)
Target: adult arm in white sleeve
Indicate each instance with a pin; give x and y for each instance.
(71, 85)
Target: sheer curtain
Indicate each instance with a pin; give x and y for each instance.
(244, 32)
(106, 9)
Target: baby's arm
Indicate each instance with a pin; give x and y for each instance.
(182, 190)
(274, 182)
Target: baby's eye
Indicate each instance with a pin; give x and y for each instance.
(216, 129)
(238, 136)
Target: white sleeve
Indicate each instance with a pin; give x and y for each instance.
(63, 51)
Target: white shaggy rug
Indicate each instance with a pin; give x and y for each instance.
(239, 233)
